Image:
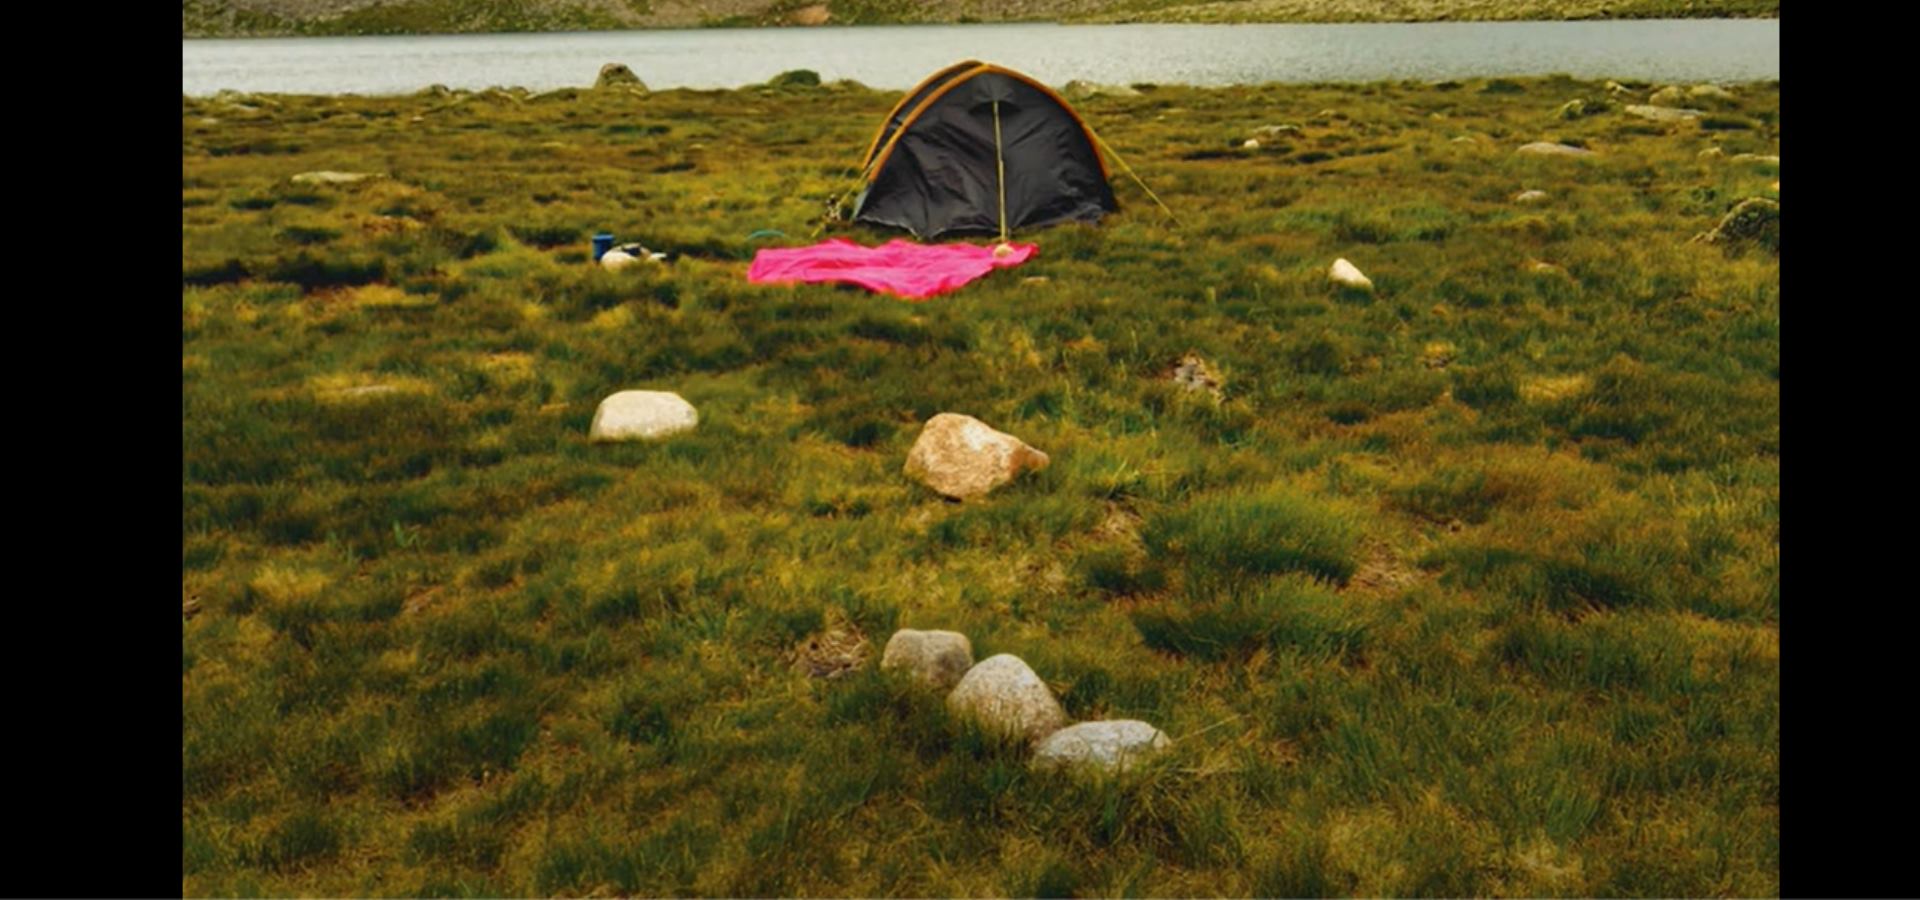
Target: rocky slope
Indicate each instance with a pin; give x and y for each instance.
(230, 18)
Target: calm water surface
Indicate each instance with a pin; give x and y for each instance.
(899, 56)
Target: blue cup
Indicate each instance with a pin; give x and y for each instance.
(602, 242)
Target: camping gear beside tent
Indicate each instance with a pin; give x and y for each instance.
(980, 149)
(902, 268)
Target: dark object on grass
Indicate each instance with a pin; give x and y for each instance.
(1756, 221)
(618, 75)
(978, 149)
(796, 78)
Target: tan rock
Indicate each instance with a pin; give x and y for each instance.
(961, 457)
(1671, 95)
(817, 14)
(936, 658)
(1712, 93)
(1004, 695)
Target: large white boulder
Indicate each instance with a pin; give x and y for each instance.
(642, 415)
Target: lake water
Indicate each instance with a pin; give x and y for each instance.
(897, 57)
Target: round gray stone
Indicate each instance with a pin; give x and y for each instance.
(936, 658)
(1004, 695)
(1112, 746)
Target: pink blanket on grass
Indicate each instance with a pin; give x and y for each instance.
(901, 268)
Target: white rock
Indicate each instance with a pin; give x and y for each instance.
(936, 658)
(1712, 92)
(1544, 148)
(1083, 90)
(1111, 745)
(641, 415)
(328, 177)
(1537, 267)
(961, 457)
(1348, 275)
(1004, 695)
(1661, 113)
(1671, 95)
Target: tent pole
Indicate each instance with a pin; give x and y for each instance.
(1136, 179)
(1001, 162)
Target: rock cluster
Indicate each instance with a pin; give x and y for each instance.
(1003, 695)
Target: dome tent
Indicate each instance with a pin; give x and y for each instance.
(980, 149)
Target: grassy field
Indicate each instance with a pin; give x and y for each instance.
(1466, 587)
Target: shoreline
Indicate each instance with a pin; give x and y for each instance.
(524, 94)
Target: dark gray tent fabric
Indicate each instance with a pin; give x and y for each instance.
(912, 101)
(940, 176)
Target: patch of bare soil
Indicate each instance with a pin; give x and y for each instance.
(831, 652)
(1382, 571)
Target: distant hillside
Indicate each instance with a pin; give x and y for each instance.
(236, 18)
